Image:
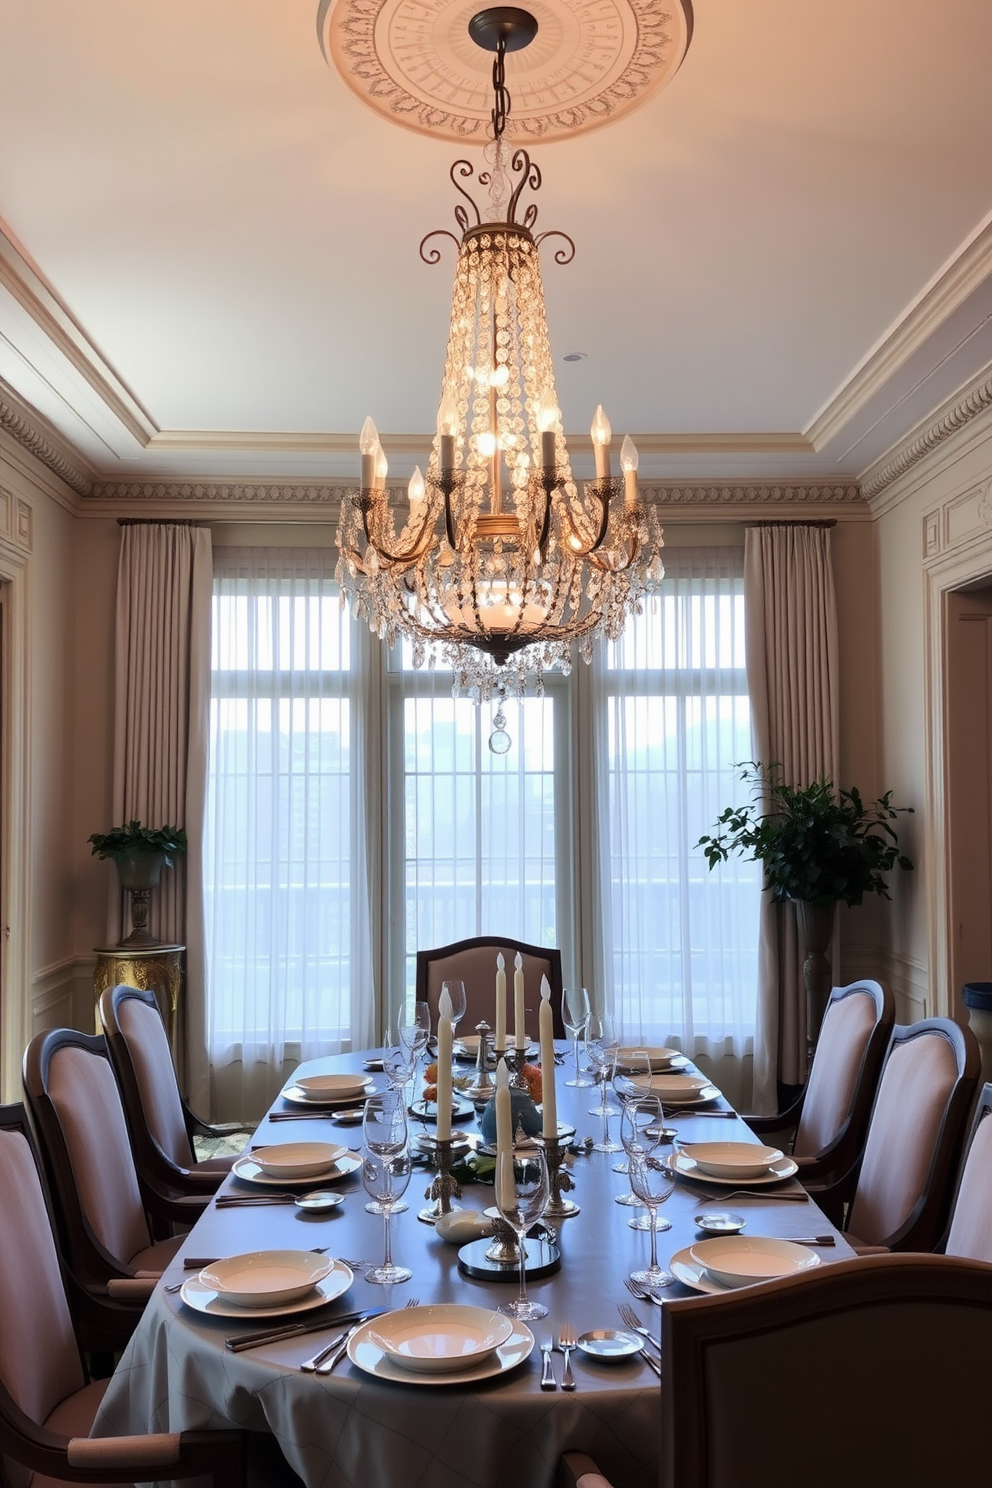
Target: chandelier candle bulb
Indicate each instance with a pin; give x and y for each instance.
(500, 1003)
(519, 1036)
(381, 467)
(368, 443)
(504, 1134)
(549, 1127)
(628, 464)
(416, 491)
(444, 1067)
(602, 434)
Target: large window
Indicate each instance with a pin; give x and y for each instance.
(356, 813)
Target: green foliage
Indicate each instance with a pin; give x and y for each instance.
(815, 843)
(133, 837)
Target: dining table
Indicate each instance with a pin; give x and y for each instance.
(349, 1428)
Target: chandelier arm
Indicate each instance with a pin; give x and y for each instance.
(434, 255)
(561, 255)
(584, 550)
(412, 554)
(521, 162)
(465, 170)
(605, 565)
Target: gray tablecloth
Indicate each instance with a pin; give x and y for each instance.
(348, 1430)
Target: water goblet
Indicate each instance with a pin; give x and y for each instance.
(575, 1016)
(456, 992)
(639, 1125)
(385, 1178)
(652, 1179)
(603, 1045)
(385, 1134)
(522, 1193)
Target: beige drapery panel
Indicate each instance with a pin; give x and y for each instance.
(161, 701)
(791, 617)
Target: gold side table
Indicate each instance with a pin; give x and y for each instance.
(157, 969)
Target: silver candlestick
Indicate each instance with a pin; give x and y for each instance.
(481, 1091)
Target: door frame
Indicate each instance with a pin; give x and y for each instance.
(15, 847)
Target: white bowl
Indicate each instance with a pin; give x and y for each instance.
(672, 1087)
(266, 1278)
(658, 1058)
(332, 1087)
(440, 1338)
(736, 1260)
(297, 1159)
(731, 1159)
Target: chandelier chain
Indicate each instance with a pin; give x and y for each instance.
(501, 98)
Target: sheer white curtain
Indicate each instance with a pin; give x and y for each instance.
(681, 950)
(287, 924)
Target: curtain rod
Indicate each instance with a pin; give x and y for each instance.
(824, 522)
(158, 522)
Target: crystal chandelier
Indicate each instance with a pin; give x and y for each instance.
(500, 565)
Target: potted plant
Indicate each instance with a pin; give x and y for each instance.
(819, 847)
(140, 854)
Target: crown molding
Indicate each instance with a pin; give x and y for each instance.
(27, 287)
(948, 289)
(28, 428)
(950, 421)
(191, 441)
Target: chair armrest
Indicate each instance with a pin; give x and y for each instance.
(576, 1470)
(157, 1450)
(131, 1287)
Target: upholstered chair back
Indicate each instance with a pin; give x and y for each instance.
(474, 963)
(85, 1098)
(915, 1133)
(39, 1356)
(970, 1234)
(851, 1017)
(144, 1034)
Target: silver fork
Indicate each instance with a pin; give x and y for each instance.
(566, 1342)
(631, 1320)
(641, 1293)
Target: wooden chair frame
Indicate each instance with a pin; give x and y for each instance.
(837, 1159)
(221, 1455)
(509, 947)
(159, 1177)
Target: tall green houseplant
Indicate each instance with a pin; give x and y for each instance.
(818, 846)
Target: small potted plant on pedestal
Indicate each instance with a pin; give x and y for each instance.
(140, 854)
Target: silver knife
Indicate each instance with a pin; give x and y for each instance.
(291, 1330)
(340, 1351)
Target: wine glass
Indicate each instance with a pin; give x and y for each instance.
(639, 1132)
(652, 1180)
(385, 1134)
(398, 1061)
(603, 1044)
(385, 1178)
(456, 992)
(575, 1016)
(628, 1087)
(522, 1193)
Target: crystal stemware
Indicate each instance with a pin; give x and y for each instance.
(639, 1132)
(652, 1180)
(603, 1043)
(385, 1179)
(385, 1134)
(575, 1016)
(522, 1193)
(456, 992)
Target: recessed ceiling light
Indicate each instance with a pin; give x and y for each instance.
(574, 356)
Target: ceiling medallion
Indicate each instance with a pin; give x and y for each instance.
(591, 62)
(500, 564)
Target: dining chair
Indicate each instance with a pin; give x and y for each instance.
(160, 1124)
(828, 1122)
(75, 1105)
(47, 1403)
(970, 1232)
(816, 1379)
(899, 1194)
(474, 963)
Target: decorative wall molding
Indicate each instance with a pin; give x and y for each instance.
(27, 432)
(956, 418)
(231, 493)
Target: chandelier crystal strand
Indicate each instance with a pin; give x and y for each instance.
(500, 565)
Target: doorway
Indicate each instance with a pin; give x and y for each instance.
(968, 736)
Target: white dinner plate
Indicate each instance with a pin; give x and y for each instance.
(333, 1087)
(676, 1090)
(659, 1059)
(732, 1159)
(296, 1159)
(777, 1173)
(298, 1097)
(266, 1278)
(204, 1299)
(365, 1356)
(249, 1172)
(741, 1260)
(441, 1338)
(694, 1276)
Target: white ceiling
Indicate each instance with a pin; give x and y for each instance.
(209, 255)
